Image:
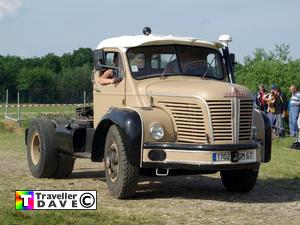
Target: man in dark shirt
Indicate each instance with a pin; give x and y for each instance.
(280, 110)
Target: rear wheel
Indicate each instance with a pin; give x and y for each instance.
(121, 176)
(240, 181)
(41, 152)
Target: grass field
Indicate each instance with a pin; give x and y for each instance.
(193, 199)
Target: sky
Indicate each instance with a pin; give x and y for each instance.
(31, 28)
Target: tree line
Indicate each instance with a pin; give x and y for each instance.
(47, 79)
(63, 79)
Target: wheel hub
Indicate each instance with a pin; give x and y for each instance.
(112, 162)
(35, 148)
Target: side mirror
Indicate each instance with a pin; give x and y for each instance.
(232, 58)
(99, 59)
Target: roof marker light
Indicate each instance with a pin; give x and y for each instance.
(147, 31)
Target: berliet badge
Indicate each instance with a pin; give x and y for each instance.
(235, 93)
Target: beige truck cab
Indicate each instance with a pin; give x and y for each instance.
(176, 107)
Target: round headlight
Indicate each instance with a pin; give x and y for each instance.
(157, 131)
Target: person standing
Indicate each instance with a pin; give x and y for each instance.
(270, 100)
(296, 144)
(260, 102)
(294, 110)
(280, 105)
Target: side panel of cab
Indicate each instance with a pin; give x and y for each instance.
(110, 95)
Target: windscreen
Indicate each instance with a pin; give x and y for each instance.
(171, 60)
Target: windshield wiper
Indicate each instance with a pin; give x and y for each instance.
(209, 65)
(163, 73)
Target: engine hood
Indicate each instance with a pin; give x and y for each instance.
(207, 89)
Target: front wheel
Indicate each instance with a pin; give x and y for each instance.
(121, 176)
(240, 181)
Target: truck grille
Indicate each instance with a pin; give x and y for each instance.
(221, 116)
(190, 124)
(189, 121)
(246, 110)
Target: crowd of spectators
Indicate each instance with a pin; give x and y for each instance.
(284, 113)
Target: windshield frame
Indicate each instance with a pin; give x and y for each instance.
(180, 73)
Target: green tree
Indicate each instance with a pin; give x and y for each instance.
(38, 84)
(10, 67)
(52, 62)
(73, 82)
(274, 67)
(66, 60)
(82, 56)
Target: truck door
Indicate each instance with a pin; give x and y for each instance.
(110, 95)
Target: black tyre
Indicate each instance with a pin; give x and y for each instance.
(65, 163)
(121, 177)
(41, 152)
(240, 181)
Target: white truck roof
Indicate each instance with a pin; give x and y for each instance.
(124, 42)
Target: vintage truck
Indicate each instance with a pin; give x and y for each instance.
(176, 107)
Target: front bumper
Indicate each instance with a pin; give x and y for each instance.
(200, 157)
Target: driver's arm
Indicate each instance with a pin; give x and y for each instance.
(107, 78)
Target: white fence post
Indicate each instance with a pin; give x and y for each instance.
(6, 105)
(18, 120)
(84, 98)
(18, 108)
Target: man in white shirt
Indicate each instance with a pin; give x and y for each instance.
(294, 111)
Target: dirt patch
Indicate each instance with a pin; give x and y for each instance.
(193, 199)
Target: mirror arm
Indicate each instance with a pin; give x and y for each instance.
(229, 64)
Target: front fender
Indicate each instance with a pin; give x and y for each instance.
(130, 124)
(263, 124)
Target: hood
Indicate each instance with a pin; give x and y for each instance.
(207, 89)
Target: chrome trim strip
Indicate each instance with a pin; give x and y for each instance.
(238, 108)
(235, 120)
(232, 121)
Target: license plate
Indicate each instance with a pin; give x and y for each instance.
(227, 156)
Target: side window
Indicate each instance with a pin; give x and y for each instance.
(114, 59)
(109, 58)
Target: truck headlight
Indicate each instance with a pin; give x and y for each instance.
(157, 131)
(254, 132)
